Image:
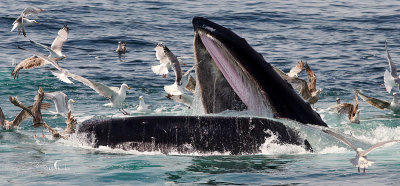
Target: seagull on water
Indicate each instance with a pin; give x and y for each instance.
(121, 48)
(394, 105)
(55, 53)
(114, 94)
(391, 79)
(21, 22)
(360, 161)
(143, 107)
(63, 106)
(347, 108)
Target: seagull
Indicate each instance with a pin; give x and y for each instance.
(70, 129)
(63, 106)
(22, 21)
(19, 118)
(121, 48)
(181, 81)
(296, 69)
(56, 46)
(143, 107)
(35, 111)
(360, 161)
(114, 94)
(164, 55)
(349, 109)
(55, 53)
(307, 91)
(381, 104)
(391, 79)
(184, 98)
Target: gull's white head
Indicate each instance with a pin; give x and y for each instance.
(125, 87)
(140, 98)
(71, 101)
(159, 45)
(359, 149)
(338, 100)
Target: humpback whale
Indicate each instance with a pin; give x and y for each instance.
(231, 75)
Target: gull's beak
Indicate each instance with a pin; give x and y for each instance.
(36, 22)
(129, 88)
(73, 101)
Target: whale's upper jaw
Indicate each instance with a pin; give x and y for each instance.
(231, 75)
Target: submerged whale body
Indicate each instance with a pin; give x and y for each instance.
(230, 75)
(188, 134)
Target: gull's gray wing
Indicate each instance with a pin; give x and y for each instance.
(98, 87)
(341, 138)
(380, 144)
(59, 98)
(61, 38)
(31, 10)
(175, 64)
(392, 66)
(381, 104)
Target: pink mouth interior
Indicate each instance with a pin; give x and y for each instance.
(242, 88)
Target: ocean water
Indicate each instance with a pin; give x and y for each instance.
(342, 41)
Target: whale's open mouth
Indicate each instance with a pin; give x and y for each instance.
(230, 85)
(231, 75)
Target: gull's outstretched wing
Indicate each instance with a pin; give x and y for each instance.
(340, 137)
(59, 99)
(380, 144)
(62, 74)
(299, 84)
(24, 114)
(381, 104)
(31, 10)
(98, 87)
(392, 66)
(27, 11)
(389, 81)
(175, 64)
(311, 78)
(28, 63)
(296, 69)
(61, 38)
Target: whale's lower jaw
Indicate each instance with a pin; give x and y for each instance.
(189, 134)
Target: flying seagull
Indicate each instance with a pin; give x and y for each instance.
(306, 90)
(381, 104)
(21, 22)
(63, 106)
(55, 53)
(19, 118)
(184, 98)
(56, 47)
(347, 108)
(360, 161)
(164, 55)
(70, 129)
(114, 94)
(391, 79)
(181, 80)
(35, 111)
